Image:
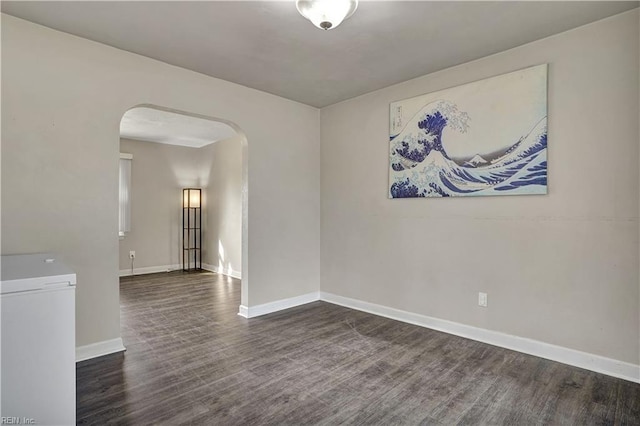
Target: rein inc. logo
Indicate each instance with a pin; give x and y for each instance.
(17, 421)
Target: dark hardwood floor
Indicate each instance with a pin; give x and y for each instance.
(191, 359)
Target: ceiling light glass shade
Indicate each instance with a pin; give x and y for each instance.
(326, 14)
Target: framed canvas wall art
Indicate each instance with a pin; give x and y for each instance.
(483, 138)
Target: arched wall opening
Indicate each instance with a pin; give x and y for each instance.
(65, 97)
(174, 149)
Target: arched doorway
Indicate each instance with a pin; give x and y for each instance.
(191, 157)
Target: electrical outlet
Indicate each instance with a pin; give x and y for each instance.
(132, 254)
(482, 299)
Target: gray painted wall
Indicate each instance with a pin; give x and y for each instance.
(158, 173)
(223, 204)
(560, 268)
(62, 101)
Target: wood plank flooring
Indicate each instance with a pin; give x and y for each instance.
(191, 359)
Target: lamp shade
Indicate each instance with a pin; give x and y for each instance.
(191, 197)
(326, 14)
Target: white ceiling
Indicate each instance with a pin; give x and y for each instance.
(267, 45)
(153, 125)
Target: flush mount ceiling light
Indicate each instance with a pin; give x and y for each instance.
(326, 14)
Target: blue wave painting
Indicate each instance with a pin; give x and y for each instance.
(507, 156)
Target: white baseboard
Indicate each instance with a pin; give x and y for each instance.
(597, 363)
(218, 270)
(149, 270)
(95, 350)
(592, 362)
(243, 311)
(176, 267)
(278, 305)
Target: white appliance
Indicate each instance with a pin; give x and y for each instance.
(37, 309)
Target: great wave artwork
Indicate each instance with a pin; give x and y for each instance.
(483, 138)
